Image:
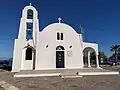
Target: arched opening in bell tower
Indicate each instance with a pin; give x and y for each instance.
(29, 14)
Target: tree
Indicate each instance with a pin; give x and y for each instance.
(101, 54)
(115, 48)
(102, 57)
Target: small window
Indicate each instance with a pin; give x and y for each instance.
(70, 46)
(46, 46)
(28, 54)
(30, 14)
(58, 36)
(61, 36)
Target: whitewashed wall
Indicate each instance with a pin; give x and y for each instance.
(46, 57)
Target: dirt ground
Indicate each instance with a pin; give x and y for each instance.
(105, 82)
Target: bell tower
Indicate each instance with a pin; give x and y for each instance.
(29, 25)
(25, 44)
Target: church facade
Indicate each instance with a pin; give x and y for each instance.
(57, 46)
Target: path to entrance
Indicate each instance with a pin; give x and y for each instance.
(59, 72)
(101, 82)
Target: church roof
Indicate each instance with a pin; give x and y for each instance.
(57, 24)
(90, 41)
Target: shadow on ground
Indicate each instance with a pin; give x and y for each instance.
(6, 68)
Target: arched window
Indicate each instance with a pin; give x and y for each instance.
(61, 36)
(28, 54)
(58, 36)
(30, 14)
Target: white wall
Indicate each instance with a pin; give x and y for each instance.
(19, 62)
(46, 57)
(17, 56)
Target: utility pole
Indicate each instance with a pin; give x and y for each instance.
(82, 31)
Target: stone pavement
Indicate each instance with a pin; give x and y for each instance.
(7, 86)
(101, 82)
(58, 72)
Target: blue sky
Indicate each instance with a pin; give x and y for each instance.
(100, 18)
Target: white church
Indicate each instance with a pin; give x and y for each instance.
(57, 46)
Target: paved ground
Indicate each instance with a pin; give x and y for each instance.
(64, 72)
(56, 83)
(1, 88)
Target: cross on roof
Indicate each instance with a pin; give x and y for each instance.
(59, 19)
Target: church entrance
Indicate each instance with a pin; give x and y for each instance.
(60, 57)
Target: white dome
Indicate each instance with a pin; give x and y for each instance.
(58, 25)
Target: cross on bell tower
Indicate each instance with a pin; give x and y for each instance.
(30, 4)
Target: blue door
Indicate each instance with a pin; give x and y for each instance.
(59, 59)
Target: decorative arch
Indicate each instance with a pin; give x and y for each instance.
(90, 57)
(26, 10)
(28, 46)
(60, 48)
(89, 49)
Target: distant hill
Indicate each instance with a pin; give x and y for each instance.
(5, 58)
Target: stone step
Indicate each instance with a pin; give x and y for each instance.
(71, 76)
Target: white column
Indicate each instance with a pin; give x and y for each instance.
(89, 59)
(97, 62)
(83, 60)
